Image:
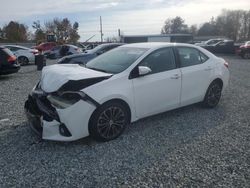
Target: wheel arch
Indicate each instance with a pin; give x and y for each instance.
(114, 100)
(218, 80)
(23, 56)
(122, 102)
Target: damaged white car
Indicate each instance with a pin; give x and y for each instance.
(121, 86)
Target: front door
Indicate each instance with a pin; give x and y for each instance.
(159, 90)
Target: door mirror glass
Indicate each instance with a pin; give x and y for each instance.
(143, 70)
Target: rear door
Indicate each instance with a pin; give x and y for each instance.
(160, 90)
(196, 69)
(2, 57)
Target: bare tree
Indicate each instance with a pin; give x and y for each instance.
(174, 25)
(40, 34)
(63, 30)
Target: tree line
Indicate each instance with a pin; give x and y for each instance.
(233, 24)
(63, 30)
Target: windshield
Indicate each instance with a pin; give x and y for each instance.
(117, 60)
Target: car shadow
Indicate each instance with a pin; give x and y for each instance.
(5, 77)
(144, 142)
(185, 123)
(187, 120)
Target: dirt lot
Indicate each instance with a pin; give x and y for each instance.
(188, 147)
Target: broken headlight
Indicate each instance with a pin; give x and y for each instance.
(65, 99)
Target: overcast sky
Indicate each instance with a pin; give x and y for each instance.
(131, 16)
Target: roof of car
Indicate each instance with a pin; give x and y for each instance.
(23, 47)
(74, 55)
(111, 44)
(70, 45)
(155, 44)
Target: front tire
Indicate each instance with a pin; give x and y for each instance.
(213, 95)
(23, 60)
(109, 121)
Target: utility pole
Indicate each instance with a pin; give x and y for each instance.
(119, 32)
(119, 35)
(101, 29)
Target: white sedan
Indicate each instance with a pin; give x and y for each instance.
(122, 86)
(23, 54)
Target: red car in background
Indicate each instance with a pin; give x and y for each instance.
(244, 50)
(45, 46)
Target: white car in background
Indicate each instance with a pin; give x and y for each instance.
(24, 55)
(122, 86)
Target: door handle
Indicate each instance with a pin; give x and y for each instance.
(176, 76)
(208, 69)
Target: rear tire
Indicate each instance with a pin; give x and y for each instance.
(246, 55)
(109, 121)
(213, 95)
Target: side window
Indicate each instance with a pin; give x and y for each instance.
(203, 57)
(191, 56)
(160, 60)
(13, 49)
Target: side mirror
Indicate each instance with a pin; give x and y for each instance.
(143, 70)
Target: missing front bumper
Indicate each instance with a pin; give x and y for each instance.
(38, 112)
(34, 119)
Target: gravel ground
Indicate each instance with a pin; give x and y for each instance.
(188, 147)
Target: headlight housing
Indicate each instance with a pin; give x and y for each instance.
(65, 99)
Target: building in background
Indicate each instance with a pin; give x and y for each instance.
(179, 38)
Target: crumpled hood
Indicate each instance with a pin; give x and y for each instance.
(54, 76)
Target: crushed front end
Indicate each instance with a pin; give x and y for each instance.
(59, 116)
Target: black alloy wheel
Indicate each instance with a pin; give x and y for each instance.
(109, 121)
(23, 60)
(213, 95)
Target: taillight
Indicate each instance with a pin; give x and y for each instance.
(35, 52)
(226, 64)
(11, 59)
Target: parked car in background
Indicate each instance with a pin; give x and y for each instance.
(244, 50)
(88, 55)
(90, 46)
(45, 46)
(209, 42)
(225, 46)
(122, 86)
(62, 50)
(24, 55)
(8, 62)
